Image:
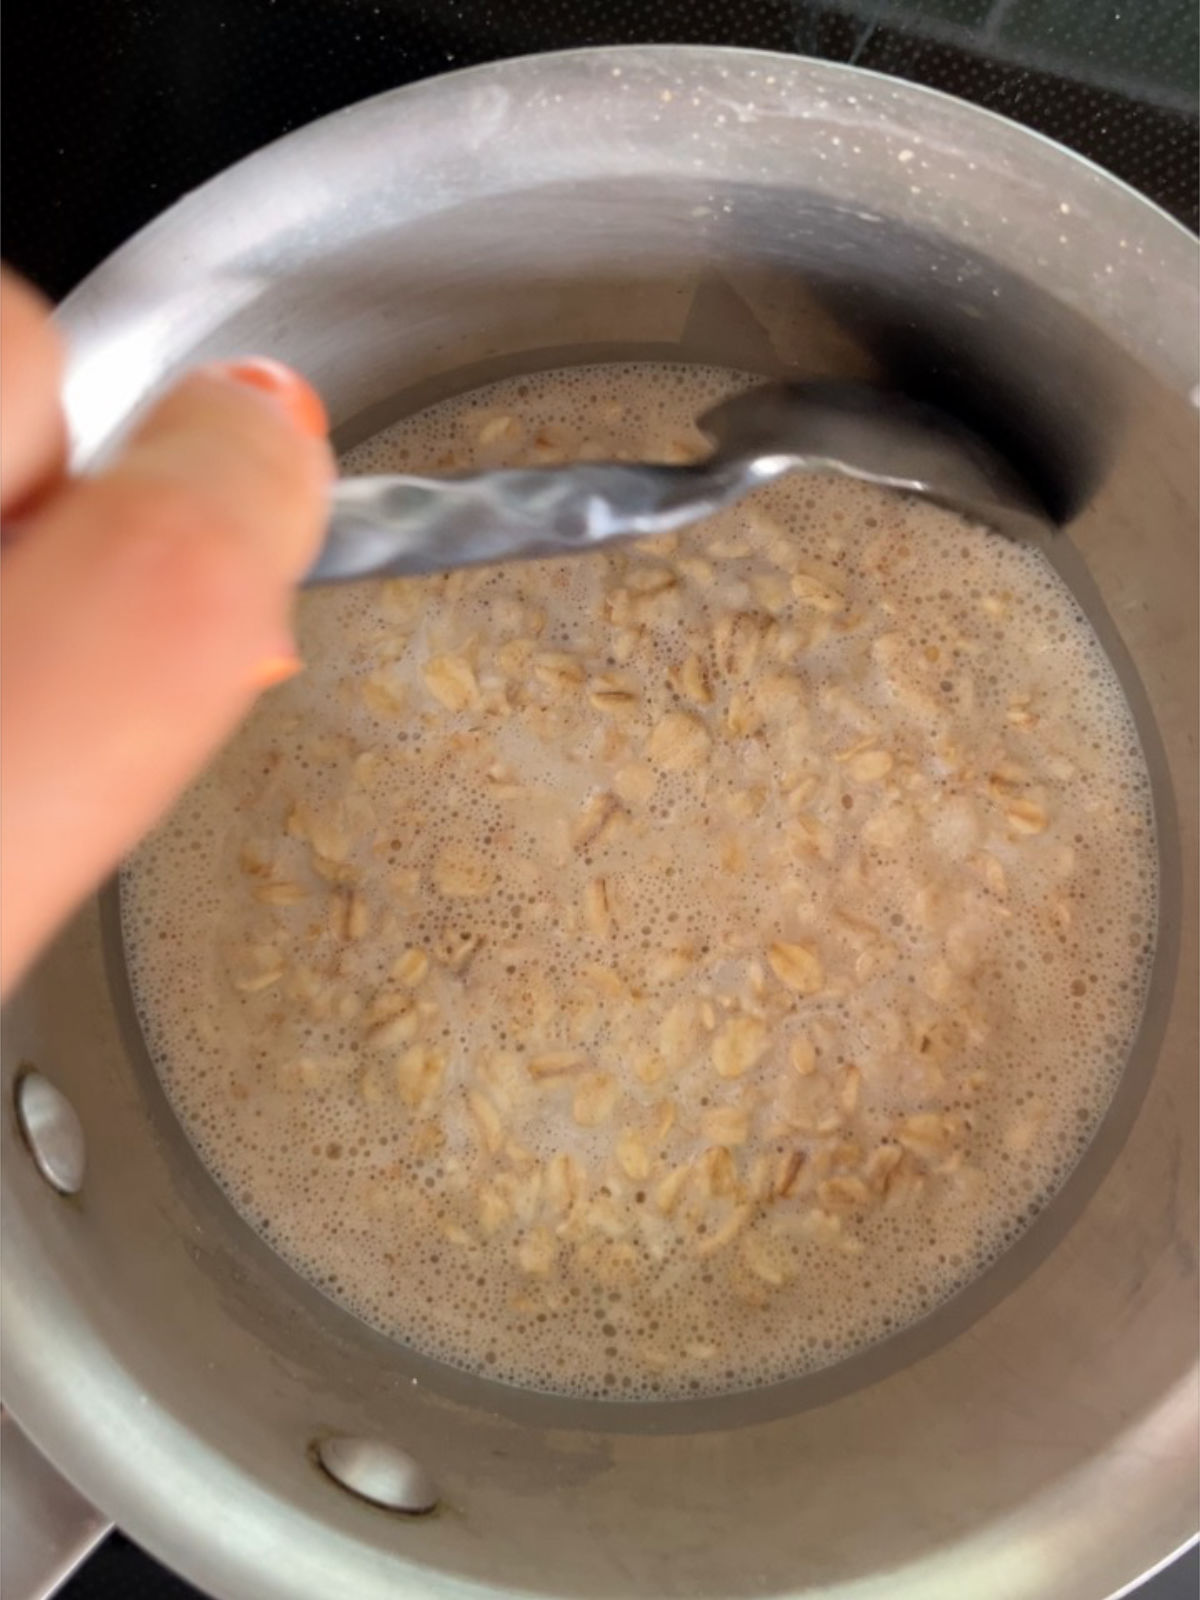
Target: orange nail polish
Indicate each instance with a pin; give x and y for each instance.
(272, 670)
(294, 395)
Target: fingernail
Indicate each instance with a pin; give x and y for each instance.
(294, 395)
(276, 669)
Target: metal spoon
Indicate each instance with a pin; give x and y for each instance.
(404, 524)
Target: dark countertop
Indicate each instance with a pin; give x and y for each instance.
(113, 108)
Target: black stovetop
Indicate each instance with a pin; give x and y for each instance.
(113, 108)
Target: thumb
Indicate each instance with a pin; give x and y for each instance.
(142, 610)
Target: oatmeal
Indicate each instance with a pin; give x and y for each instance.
(668, 971)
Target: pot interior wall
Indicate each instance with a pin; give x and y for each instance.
(968, 1456)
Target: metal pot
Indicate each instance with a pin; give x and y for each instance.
(1034, 1438)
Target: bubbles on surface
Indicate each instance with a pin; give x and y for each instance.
(964, 650)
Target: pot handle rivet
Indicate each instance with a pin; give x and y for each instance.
(377, 1472)
(51, 1128)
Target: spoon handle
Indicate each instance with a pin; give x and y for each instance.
(404, 524)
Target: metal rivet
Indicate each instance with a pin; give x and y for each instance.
(379, 1473)
(53, 1132)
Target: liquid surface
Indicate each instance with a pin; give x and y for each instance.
(666, 972)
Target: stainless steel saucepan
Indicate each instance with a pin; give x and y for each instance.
(1034, 1440)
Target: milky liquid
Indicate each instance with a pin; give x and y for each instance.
(664, 972)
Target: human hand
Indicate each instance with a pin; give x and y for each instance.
(142, 609)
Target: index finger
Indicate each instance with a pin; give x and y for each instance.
(32, 431)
